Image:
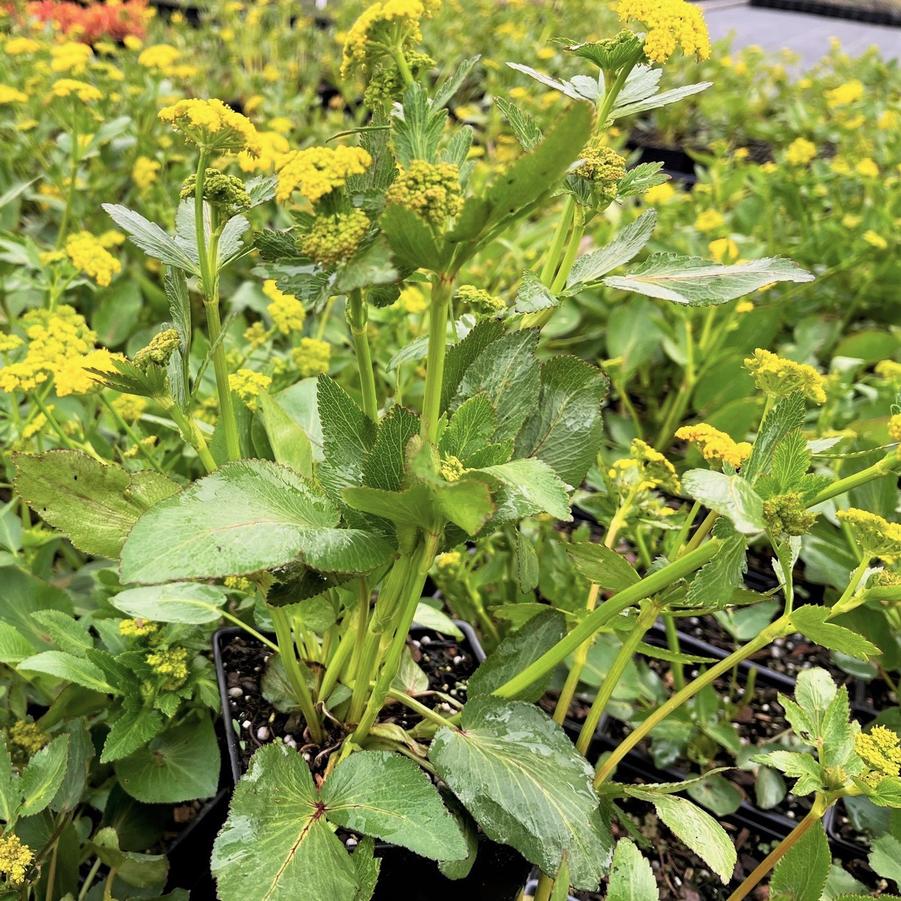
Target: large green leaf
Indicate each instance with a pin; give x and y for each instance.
(245, 517)
(10, 786)
(347, 435)
(461, 356)
(178, 602)
(801, 874)
(412, 239)
(693, 281)
(130, 731)
(602, 565)
(388, 796)
(695, 828)
(811, 622)
(151, 238)
(385, 463)
(64, 665)
(276, 844)
(21, 596)
(93, 504)
(182, 764)
(43, 776)
(289, 442)
(566, 428)
(516, 652)
(729, 495)
(631, 876)
(136, 869)
(525, 784)
(525, 487)
(624, 247)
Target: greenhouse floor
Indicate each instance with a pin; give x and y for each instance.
(808, 35)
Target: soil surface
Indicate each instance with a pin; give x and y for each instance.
(447, 663)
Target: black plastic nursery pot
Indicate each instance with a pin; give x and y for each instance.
(498, 873)
(677, 164)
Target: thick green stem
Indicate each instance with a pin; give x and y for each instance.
(572, 251)
(552, 261)
(357, 319)
(781, 626)
(568, 692)
(891, 462)
(545, 888)
(391, 666)
(190, 433)
(609, 610)
(425, 712)
(672, 642)
(814, 815)
(442, 288)
(614, 674)
(294, 670)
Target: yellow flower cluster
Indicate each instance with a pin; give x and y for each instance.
(644, 470)
(76, 375)
(779, 377)
(272, 150)
(164, 59)
(249, 385)
(130, 406)
(448, 560)
(709, 220)
(144, 173)
(875, 534)
(874, 239)
(311, 357)
(879, 749)
(287, 312)
(800, 152)
(15, 858)
(845, 94)
(334, 239)
(671, 24)
(867, 168)
(72, 56)
(318, 171)
(432, 190)
(723, 250)
(9, 94)
(894, 427)
(136, 628)
(888, 370)
(714, 444)
(172, 663)
(787, 514)
(71, 87)
(212, 125)
(53, 339)
(384, 23)
(412, 301)
(30, 737)
(90, 257)
(480, 300)
(159, 349)
(21, 46)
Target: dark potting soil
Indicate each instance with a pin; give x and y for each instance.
(447, 663)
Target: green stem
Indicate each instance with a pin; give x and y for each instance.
(357, 318)
(814, 815)
(70, 193)
(608, 611)
(555, 252)
(120, 421)
(89, 879)
(338, 659)
(891, 462)
(545, 888)
(190, 433)
(403, 67)
(294, 670)
(672, 642)
(425, 712)
(781, 626)
(391, 665)
(249, 630)
(568, 692)
(442, 287)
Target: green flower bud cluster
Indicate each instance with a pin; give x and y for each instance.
(28, 736)
(604, 168)
(161, 347)
(334, 239)
(480, 301)
(787, 514)
(171, 664)
(452, 468)
(221, 190)
(432, 190)
(386, 84)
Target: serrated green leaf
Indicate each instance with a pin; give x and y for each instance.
(521, 123)
(522, 780)
(388, 796)
(43, 776)
(566, 428)
(247, 516)
(601, 565)
(10, 786)
(526, 487)
(786, 417)
(801, 874)
(366, 869)
(796, 765)
(347, 435)
(151, 238)
(655, 101)
(385, 463)
(729, 495)
(412, 240)
(533, 295)
(130, 731)
(14, 647)
(461, 356)
(693, 281)
(631, 876)
(623, 248)
(515, 652)
(696, 829)
(714, 583)
(64, 630)
(368, 268)
(67, 666)
(470, 429)
(811, 622)
(182, 764)
(94, 504)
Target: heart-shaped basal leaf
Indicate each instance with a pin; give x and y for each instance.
(525, 784)
(276, 843)
(245, 517)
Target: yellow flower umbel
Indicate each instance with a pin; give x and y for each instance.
(800, 152)
(286, 310)
(144, 173)
(130, 407)
(30, 737)
(171, 664)
(213, 126)
(845, 94)
(72, 87)
(894, 427)
(136, 628)
(249, 385)
(312, 357)
(432, 190)
(779, 377)
(78, 374)
(874, 534)
(273, 148)
(10, 94)
(318, 171)
(92, 258)
(604, 168)
(715, 445)
(709, 220)
(644, 470)
(879, 750)
(383, 27)
(334, 239)
(72, 56)
(15, 858)
(671, 24)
